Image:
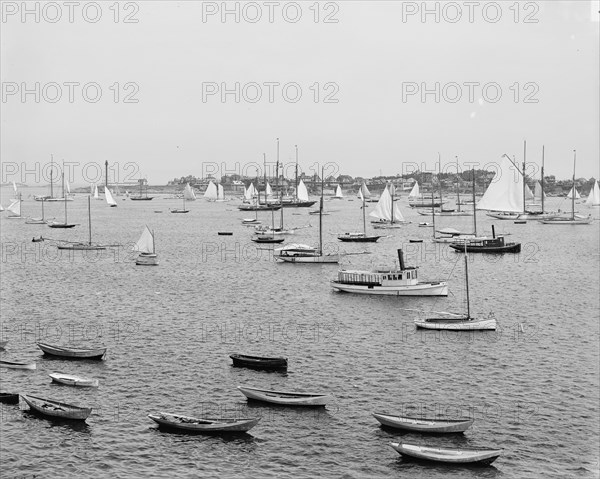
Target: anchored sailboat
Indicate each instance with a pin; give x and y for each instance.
(66, 224)
(338, 194)
(84, 246)
(573, 219)
(360, 237)
(15, 209)
(594, 197)
(457, 322)
(109, 198)
(211, 193)
(188, 193)
(38, 221)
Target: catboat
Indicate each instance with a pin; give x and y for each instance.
(72, 353)
(55, 409)
(449, 455)
(423, 424)
(258, 362)
(206, 426)
(285, 398)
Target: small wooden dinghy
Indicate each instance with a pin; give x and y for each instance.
(285, 398)
(423, 424)
(55, 409)
(206, 426)
(257, 362)
(9, 398)
(267, 239)
(71, 380)
(14, 365)
(72, 353)
(449, 455)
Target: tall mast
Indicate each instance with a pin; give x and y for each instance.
(277, 184)
(296, 146)
(362, 193)
(321, 217)
(392, 191)
(467, 283)
(265, 175)
(542, 179)
(153, 245)
(106, 173)
(89, 220)
(64, 197)
(524, 182)
(433, 214)
(51, 172)
(440, 181)
(474, 206)
(457, 186)
(573, 191)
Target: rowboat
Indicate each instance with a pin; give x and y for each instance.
(207, 426)
(71, 380)
(257, 362)
(9, 398)
(285, 398)
(423, 424)
(450, 455)
(72, 353)
(13, 365)
(55, 409)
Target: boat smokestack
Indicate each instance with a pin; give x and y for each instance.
(493, 232)
(401, 259)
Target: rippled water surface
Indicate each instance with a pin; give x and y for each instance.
(532, 386)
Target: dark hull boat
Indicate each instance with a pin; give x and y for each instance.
(9, 398)
(358, 238)
(56, 410)
(268, 239)
(257, 362)
(72, 353)
(491, 246)
(273, 207)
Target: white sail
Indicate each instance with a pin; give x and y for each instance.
(250, 192)
(68, 187)
(1, 208)
(109, 197)
(15, 187)
(220, 192)
(383, 210)
(537, 192)
(188, 193)
(96, 194)
(577, 195)
(414, 193)
(338, 192)
(211, 192)
(146, 242)
(15, 208)
(528, 193)
(594, 197)
(302, 191)
(269, 190)
(505, 192)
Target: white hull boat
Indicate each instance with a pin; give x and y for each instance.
(71, 380)
(447, 454)
(285, 398)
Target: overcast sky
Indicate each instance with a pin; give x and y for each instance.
(526, 71)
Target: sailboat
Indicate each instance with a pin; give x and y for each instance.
(211, 193)
(96, 193)
(109, 198)
(300, 199)
(573, 219)
(457, 322)
(268, 238)
(66, 224)
(387, 216)
(188, 193)
(37, 221)
(576, 196)
(220, 193)
(143, 195)
(89, 246)
(443, 211)
(594, 197)
(15, 209)
(145, 246)
(305, 254)
(360, 237)
(182, 210)
(364, 193)
(416, 199)
(338, 194)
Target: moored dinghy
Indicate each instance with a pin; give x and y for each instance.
(450, 455)
(55, 409)
(437, 426)
(71, 380)
(205, 426)
(9, 398)
(16, 365)
(285, 398)
(258, 362)
(72, 353)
